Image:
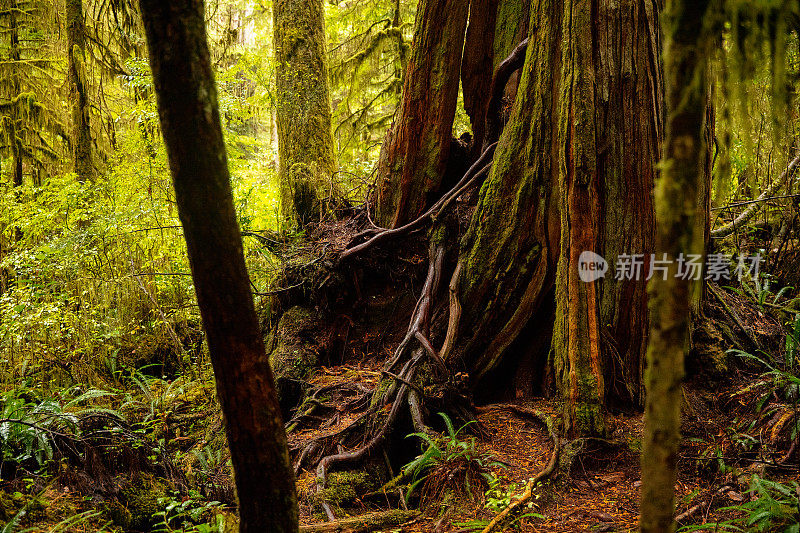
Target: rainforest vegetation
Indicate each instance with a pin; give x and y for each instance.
(399, 265)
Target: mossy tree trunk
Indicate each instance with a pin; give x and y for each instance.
(681, 199)
(414, 156)
(573, 172)
(305, 139)
(79, 92)
(187, 103)
(14, 116)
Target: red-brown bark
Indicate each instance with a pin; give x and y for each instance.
(415, 153)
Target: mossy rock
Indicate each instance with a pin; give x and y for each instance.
(142, 498)
(292, 355)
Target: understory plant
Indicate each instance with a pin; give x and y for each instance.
(449, 463)
(498, 498)
(29, 427)
(773, 507)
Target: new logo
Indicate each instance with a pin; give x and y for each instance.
(591, 266)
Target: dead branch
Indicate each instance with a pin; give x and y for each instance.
(691, 511)
(751, 211)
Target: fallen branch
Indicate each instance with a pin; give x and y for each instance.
(367, 522)
(691, 511)
(751, 211)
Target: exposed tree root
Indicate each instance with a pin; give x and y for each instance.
(415, 348)
(401, 391)
(509, 65)
(477, 171)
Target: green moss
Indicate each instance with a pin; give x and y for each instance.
(12, 503)
(344, 488)
(141, 499)
(511, 15)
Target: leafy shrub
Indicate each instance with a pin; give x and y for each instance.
(28, 427)
(773, 508)
(449, 464)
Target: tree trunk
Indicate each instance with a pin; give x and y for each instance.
(493, 32)
(76, 53)
(305, 138)
(681, 229)
(414, 157)
(187, 102)
(13, 132)
(573, 172)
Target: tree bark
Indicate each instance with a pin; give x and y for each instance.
(495, 28)
(681, 200)
(187, 102)
(13, 133)
(414, 156)
(573, 172)
(305, 138)
(76, 53)
(477, 65)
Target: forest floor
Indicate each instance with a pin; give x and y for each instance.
(736, 430)
(168, 470)
(600, 492)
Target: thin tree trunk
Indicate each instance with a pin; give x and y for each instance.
(414, 156)
(680, 190)
(187, 102)
(305, 138)
(76, 53)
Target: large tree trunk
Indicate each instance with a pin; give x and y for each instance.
(681, 202)
(414, 156)
(76, 52)
(187, 102)
(573, 173)
(305, 139)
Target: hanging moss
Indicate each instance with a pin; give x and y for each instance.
(755, 46)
